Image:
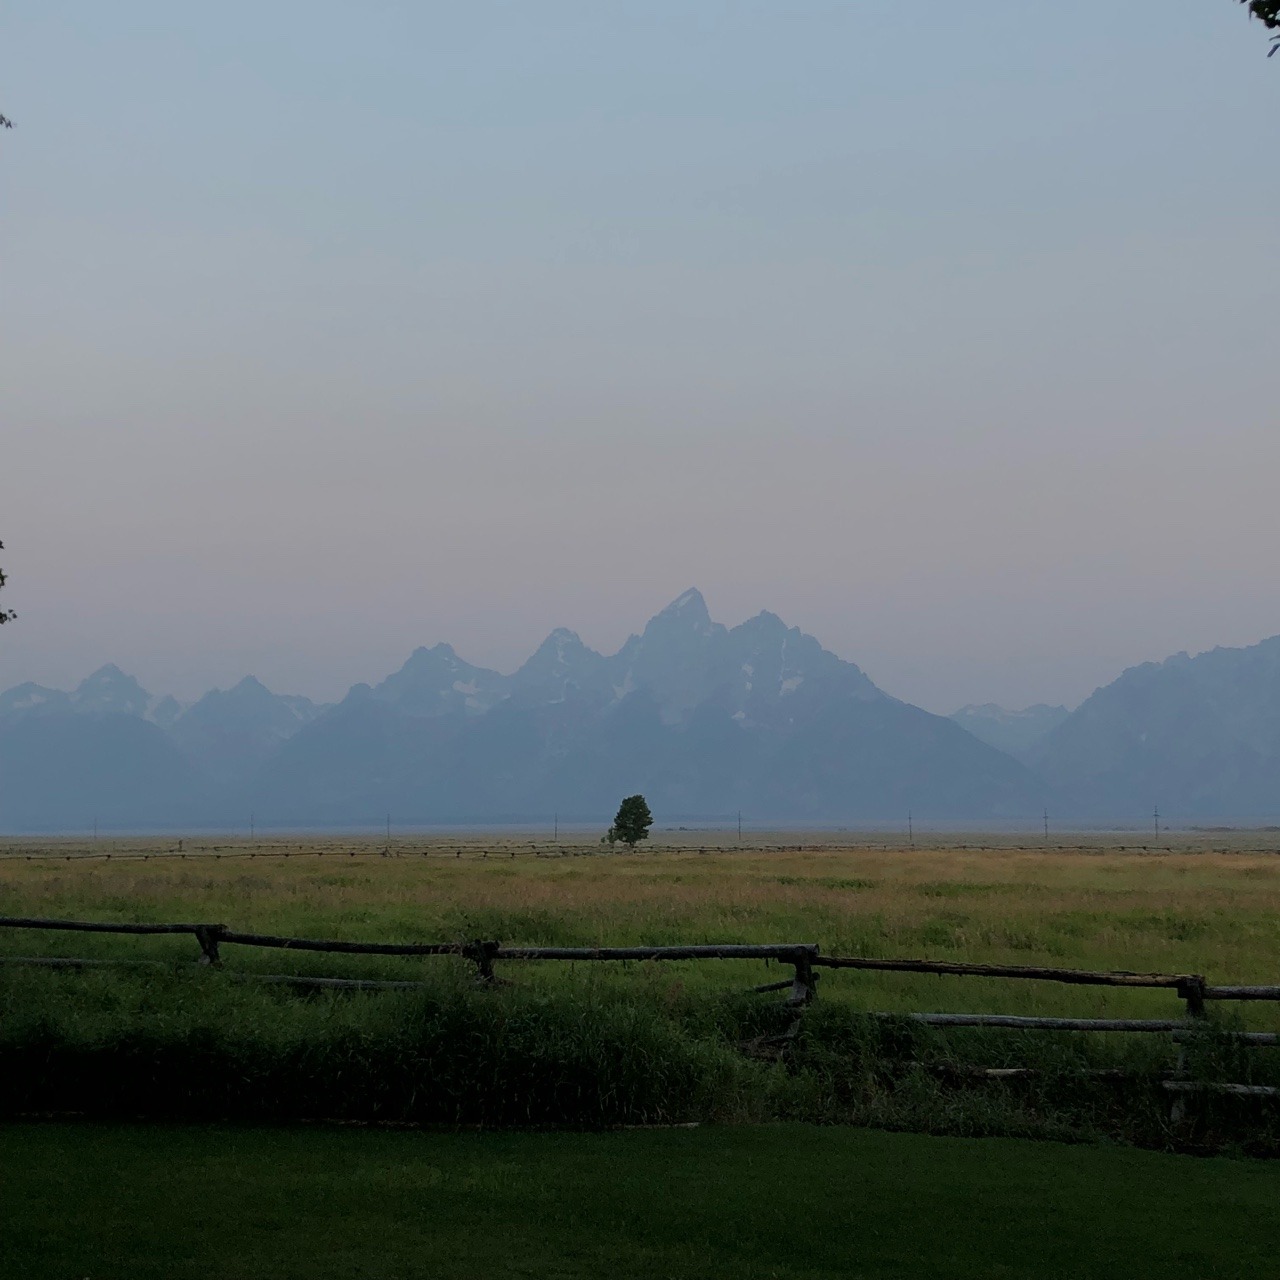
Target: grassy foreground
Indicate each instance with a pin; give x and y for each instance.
(168, 1203)
(596, 1044)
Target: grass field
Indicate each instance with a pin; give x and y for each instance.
(783, 1202)
(635, 1042)
(1193, 910)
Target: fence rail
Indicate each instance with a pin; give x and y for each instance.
(1084, 977)
(1192, 988)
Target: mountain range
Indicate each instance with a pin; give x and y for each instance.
(703, 719)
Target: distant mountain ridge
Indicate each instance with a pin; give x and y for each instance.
(703, 718)
(1197, 737)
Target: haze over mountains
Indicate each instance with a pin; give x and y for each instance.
(705, 720)
(1013, 731)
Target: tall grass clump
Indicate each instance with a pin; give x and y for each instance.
(196, 1046)
(585, 1053)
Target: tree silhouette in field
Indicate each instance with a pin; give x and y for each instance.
(632, 822)
(6, 615)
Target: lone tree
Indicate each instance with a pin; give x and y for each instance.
(6, 615)
(632, 823)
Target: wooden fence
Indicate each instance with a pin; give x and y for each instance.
(805, 958)
(437, 849)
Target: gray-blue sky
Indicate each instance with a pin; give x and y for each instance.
(333, 329)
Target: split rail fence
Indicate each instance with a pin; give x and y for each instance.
(805, 958)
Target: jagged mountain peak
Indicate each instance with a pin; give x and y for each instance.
(110, 689)
(424, 654)
(764, 621)
(687, 611)
(560, 665)
(106, 676)
(31, 697)
(250, 686)
(691, 601)
(436, 681)
(562, 648)
(230, 732)
(561, 640)
(108, 671)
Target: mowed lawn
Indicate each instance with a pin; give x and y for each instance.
(166, 1203)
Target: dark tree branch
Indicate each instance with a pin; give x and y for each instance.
(1268, 13)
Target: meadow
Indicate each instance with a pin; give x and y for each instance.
(1191, 907)
(640, 1042)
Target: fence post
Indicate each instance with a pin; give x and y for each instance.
(207, 936)
(1191, 991)
(483, 953)
(804, 985)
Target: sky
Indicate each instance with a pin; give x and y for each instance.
(329, 330)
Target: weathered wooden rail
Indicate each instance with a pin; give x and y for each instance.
(804, 957)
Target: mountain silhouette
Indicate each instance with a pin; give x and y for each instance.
(704, 719)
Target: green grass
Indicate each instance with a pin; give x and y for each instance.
(583, 1052)
(783, 1202)
(641, 1042)
(1188, 911)
(1210, 912)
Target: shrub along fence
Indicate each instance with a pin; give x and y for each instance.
(805, 958)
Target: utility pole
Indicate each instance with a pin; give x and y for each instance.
(388, 833)
(555, 827)
(911, 834)
(739, 828)
(1155, 816)
(1046, 826)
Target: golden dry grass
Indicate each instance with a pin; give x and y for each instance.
(1207, 904)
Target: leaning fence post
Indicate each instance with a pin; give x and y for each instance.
(207, 936)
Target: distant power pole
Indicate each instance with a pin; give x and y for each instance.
(1046, 826)
(911, 832)
(555, 827)
(739, 828)
(1155, 817)
(388, 831)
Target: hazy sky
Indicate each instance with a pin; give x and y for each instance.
(946, 332)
